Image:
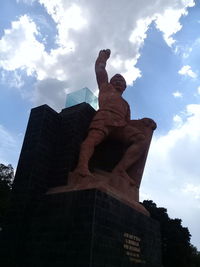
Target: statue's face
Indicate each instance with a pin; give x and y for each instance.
(118, 82)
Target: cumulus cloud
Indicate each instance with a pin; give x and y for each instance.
(177, 94)
(187, 51)
(28, 2)
(83, 28)
(191, 189)
(187, 71)
(168, 22)
(19, 47)
(171, 176)
(12, 79)
(186, 137)
(178, 121)
(50, 91)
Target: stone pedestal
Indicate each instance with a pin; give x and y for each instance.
(121, 188)
(89, 228)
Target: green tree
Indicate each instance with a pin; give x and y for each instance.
(177, 250)
(6, 179)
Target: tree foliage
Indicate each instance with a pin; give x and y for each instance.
(177, 250)
(6, 179)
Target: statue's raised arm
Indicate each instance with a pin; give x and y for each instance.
(100, 67)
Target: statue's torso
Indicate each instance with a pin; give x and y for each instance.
(113, 109)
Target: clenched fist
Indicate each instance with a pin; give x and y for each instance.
(105, 53)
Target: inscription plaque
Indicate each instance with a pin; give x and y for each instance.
(132, 248)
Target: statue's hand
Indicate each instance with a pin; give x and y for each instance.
(105, 54)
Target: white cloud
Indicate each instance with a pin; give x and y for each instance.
(12, 79)
(187, 52)
(28, 2)
(187, 71)
(189, 49)
(19, 47)
(177, 94)
(138, 35)
(132, 72)
(171, 177)
(198, 90)
(192, 190)
(168, 21)
(178, 121)
(50, 92)
(83, 28)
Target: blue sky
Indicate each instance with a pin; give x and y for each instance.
(48, 49)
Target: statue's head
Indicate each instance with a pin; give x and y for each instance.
(118, 82)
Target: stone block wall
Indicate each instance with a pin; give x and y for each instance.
(50, 150)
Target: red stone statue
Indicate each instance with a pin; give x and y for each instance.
(113, 120)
